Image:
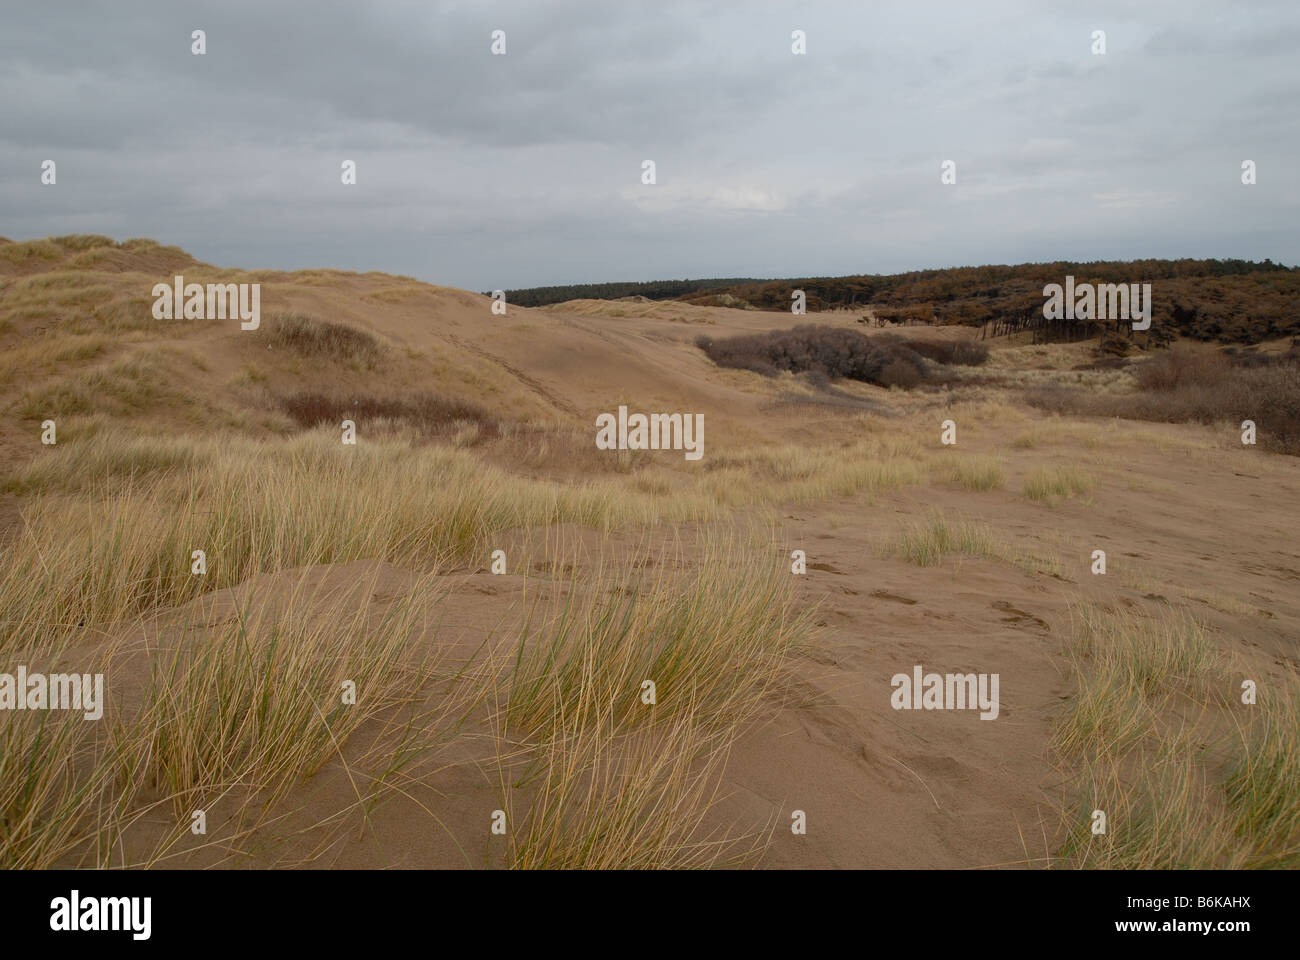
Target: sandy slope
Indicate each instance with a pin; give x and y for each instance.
(550, 366)
(886, 788)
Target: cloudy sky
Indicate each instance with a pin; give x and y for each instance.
(483, 171)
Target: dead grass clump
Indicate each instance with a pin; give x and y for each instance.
(927, 543)
(708, 642)
(973, 473)
(310, 337)
(262, 701)
(17, 253)
(127, 386)
(1052, 484)
(83, 241)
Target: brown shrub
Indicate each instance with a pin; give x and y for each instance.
(1202, 391)
(966, 353)
(899, 373)
(1180, 367)
(1253, 357)
(832, 351)
(428, 413)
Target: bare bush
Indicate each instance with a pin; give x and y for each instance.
(831, 351)
(1179, 367)
(427, 413)
(953, 352)
(1182, 388)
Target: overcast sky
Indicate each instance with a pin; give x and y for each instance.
(483, 171)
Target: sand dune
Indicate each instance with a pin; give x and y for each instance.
(880, 787)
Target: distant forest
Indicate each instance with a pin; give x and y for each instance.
(651, 290)
(1232, 301)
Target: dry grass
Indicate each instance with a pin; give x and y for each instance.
(246, 712)
(927, 543)
(1157, 738)
(259, 702)
(43, 357)
(129, 385)
(240, 715)
(119, 541)
(1186, 386)
(1050, 485)
(48, 809)
(426, 413)
(615, 781)
(972, 473)
(309, 337)
(632, 801)
(96, 458)
(709, 642)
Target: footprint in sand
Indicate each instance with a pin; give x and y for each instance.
(1018, 616)
(542, 567)
(886, 595)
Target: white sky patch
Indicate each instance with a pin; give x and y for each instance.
(747, 198)
(1134, 200)
(666, 197)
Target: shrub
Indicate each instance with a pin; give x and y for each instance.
(1181, 367)
(427, 413)
(962, 352)
(1182, 388)
(831, 351)
(899, 373)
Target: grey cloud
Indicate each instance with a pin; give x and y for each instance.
(482, 171)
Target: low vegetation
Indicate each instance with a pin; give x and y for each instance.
(1194, 386)
(310, 337)
(629, 773)
(1156, 738)
(972, 473)
(835, 353)
(425, 413)
(591, 773)
(1050, 485)
(927, 543)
